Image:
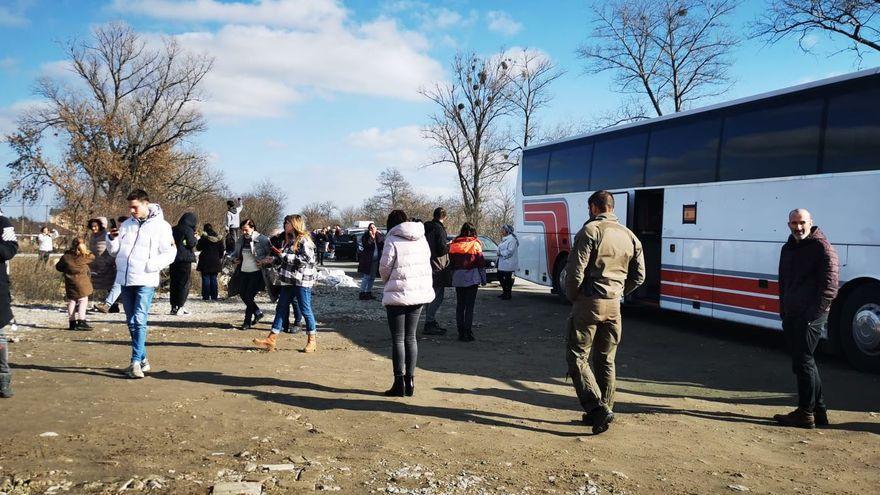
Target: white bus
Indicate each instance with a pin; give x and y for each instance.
(708, 192)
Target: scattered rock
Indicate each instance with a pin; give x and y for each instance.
(279, 467)
(238, 488)
(250, 467)
(738, 488)
(620, 475)
(48, 434)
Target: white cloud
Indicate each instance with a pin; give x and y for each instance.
(299, 14)
(502, 23)
(275, 144)
(9, 114)
(263, 67)
(13, 15)
(408, 150)
(8, 64)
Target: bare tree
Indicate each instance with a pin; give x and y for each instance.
(857, 21)
(469, 129)
(672, 52)
(532, 74)
(265, 205)
(319, 214)
(122, 125)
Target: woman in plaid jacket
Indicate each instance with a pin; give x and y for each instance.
(295, 264)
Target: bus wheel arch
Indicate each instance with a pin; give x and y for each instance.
(558, 272)
(854, 323)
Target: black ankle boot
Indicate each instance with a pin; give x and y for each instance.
(83, 325)
(409, 385)
(396, 390)
(6, 385)
(71, 324)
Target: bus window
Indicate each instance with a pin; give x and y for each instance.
(570, 169)
(771, 142)
(619, 162)
(852, 137)
(534, 173)
(683, 154)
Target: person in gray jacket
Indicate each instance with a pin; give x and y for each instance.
(252, 253)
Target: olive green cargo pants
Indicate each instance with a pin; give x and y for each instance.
(593, 326)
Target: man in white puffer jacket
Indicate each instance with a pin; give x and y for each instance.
(143, 246)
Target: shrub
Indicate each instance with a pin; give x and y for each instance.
(31, 281)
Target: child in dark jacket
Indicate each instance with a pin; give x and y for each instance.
(74, 264)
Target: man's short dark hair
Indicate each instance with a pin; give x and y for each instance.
(602, 200)
(439, 213)
(230, 203)
(395, 218)
(138, 194)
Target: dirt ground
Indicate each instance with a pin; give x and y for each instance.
(493, 416)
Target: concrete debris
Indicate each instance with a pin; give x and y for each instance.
(238, 488)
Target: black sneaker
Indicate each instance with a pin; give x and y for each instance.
(83, 325)
(114, 308)
(245, 326)
(432, 328)
(602, 418)
(820, 417)
(257, 318)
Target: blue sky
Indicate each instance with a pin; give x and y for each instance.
(321, 95)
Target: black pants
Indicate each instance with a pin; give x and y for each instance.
(506, 279)
(321, 258)
(802, 337)
(179, 291)
(403, 322)
(465, 300)
(251, 284)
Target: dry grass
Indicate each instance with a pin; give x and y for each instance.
(32, 281)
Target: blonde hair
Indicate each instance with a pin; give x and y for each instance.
(298, 222)
(79, 247)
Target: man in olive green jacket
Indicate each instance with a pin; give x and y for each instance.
(605, 264)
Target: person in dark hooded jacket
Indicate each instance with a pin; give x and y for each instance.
(211, 251)
(8, 249)
(808, 279)
(185, 239)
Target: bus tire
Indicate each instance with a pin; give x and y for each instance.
(559, 277)
(859, 329)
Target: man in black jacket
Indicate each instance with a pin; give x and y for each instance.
(435, 234)
(808, 279)
(8, 249)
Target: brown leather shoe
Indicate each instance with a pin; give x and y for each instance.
(268, 343)
(797, 418)
(311, 344)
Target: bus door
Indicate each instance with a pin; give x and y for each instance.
(647, 223)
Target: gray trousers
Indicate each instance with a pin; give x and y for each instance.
(4, 352)
(433, 306)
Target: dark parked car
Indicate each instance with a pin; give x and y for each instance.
(490, 253)
(347, 244)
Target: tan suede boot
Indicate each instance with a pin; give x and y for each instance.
(268, 343)
(311, 344)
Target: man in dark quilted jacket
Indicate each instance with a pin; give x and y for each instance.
(808, 279)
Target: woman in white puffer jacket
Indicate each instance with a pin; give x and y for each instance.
(508, 260)
(405, 267)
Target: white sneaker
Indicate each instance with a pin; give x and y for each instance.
(183, 312)
(145, 366)
(135, 370)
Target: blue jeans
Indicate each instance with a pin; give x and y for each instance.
(113, 295)
(136, 299)
(209, 286)
(367, 282)
(304, 300)
(286, 299)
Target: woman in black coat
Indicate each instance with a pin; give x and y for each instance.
(184, 234)
(211, 250)
(369, 253)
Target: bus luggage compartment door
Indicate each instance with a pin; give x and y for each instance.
(670, 274)
(697, 262)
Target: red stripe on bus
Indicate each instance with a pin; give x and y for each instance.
(727, 298)
(720, 282)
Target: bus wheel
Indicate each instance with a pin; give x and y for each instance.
(860, 328)
(559, 273)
